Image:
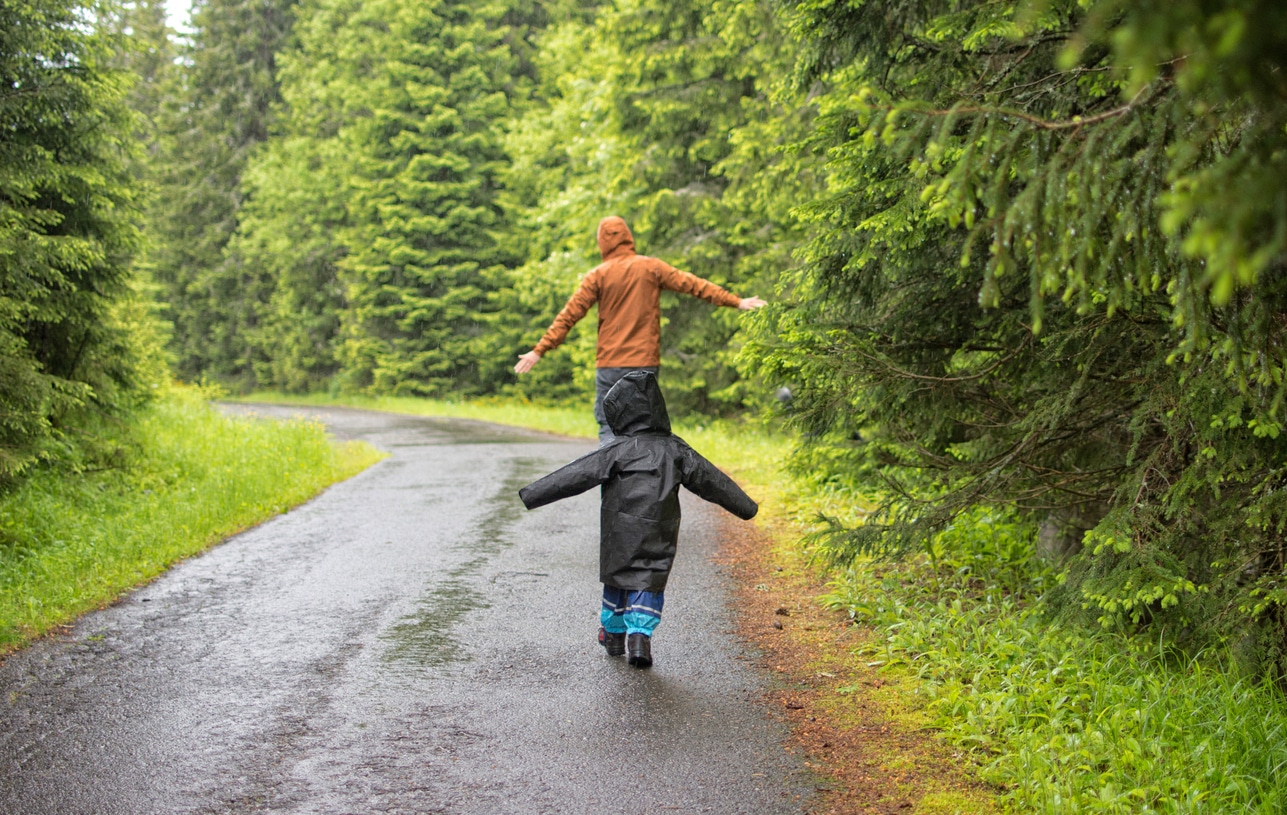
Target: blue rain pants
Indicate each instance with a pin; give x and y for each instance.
(630, 612)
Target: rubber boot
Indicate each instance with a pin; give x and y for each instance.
(614, 644)
(639, 648)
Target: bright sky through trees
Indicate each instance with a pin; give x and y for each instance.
(177, 13)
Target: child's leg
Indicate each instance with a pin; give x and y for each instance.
(612, 628)
(612, 614)
(643, 611)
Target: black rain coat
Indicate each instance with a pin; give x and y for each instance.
(641, 471)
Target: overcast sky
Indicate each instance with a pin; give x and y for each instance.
(176, 11)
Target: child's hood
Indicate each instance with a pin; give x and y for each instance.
(635, 405)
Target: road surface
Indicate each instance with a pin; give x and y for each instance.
(410, 641)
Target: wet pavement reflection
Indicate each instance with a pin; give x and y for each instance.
(411, 641)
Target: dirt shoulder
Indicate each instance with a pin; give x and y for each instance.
(859, 729)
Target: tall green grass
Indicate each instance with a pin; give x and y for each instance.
(1063, 720)
(190, 476)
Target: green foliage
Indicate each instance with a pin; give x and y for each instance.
(376, 214)
(216, 111)
(564, 174)
(1061, 721)
(423, 242)
(382, 206)
(67, 229)
(288, 234)
(184, 477)
(297, 188)
(1044, 277)
(146, 51)
(685, 77)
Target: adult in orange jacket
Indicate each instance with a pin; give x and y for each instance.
(627, 286)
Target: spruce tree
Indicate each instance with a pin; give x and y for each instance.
(288, 237)
(1044, 281)
(218, 113)
(426, 240)
(67, 230)
(147, 52)
(297, 194)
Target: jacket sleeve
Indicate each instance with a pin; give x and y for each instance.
(586, 295)
(588, 471)
(673, 279)
(707, 482)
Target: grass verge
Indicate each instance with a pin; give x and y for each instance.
(872, 751)
(190, 477)
(1063, 720)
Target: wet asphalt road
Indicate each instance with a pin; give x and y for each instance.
(411, 641)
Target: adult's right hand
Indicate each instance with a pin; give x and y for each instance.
(751, 303)
(526, 362)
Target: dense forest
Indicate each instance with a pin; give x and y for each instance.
(1024, 255)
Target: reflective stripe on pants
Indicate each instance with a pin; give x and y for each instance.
(630, 612)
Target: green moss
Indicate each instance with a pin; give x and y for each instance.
(954, 802)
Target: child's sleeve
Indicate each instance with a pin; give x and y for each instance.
(588, 471)
(709, 483)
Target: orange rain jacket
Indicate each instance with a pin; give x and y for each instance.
(627, 287)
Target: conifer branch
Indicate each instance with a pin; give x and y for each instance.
(1043, 124)
(946, 379)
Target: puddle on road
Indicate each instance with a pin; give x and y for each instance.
(427, 637)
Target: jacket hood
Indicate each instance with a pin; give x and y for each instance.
(635, 405)
(614, 237)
